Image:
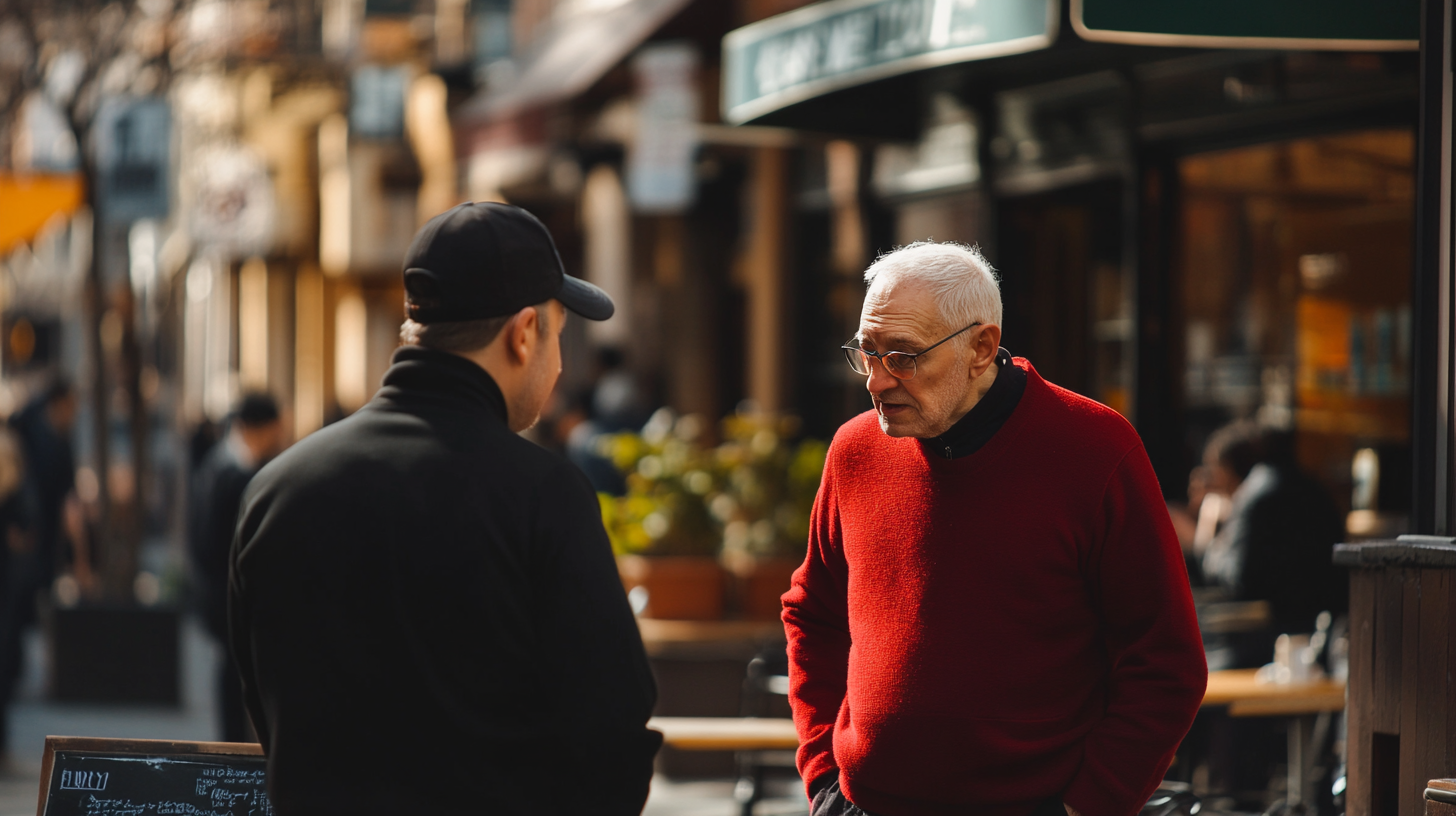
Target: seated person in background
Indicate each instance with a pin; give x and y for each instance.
(1196, 521)
(1276, 543)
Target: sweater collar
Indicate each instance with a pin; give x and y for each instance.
(986, 417)
(417, 370)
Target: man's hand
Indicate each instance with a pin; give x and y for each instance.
(1071, 811)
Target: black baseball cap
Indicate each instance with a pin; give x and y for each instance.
(482, 259)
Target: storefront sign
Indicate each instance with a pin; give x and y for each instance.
(660, 164)
(232, 210)
(376, 109)
(133, 156)
(1341, 25)
(841, 43)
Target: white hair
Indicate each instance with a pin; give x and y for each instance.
(960, 280)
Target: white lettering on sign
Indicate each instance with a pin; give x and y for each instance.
(838, 43)
(84, 780)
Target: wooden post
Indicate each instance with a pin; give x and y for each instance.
(764, 279)
(309, 387)
(1402, 716)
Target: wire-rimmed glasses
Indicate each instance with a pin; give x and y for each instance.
(898, 364)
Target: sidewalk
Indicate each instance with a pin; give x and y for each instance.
(32, 718)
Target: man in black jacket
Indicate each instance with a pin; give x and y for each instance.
(424, 605)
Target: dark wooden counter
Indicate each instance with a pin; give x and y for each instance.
(1402, 715)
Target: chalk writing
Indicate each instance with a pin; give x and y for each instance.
(84, 780)
(253, 776)
(191, 785)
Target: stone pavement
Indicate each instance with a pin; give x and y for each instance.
(32, 717)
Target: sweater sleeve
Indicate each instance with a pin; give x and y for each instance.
(1157, 669)
(816, 621)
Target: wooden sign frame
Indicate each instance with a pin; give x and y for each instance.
(143, 747)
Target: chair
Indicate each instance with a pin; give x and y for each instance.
(765, 694)
(1171, 799)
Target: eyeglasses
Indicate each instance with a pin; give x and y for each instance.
(898, 364)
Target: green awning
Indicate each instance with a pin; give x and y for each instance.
(1334, 25)
(837, 44)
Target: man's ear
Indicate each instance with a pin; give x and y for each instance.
(984, 347)
(521, 334)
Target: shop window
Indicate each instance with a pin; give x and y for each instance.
(1294, 268)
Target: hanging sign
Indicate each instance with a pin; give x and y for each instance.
(133, 140)
(1337, 25)
(232, 208)
(660, 176)
(838, 44)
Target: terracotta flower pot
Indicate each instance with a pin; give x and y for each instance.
(762, 585)
(680, 587)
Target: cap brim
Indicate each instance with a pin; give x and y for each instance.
(585, 299)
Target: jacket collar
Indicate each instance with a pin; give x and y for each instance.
(976, 428)
(416, 370)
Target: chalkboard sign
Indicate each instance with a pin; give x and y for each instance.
(82, 776)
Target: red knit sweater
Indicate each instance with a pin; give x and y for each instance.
(974, 635)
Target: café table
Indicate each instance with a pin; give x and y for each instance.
(1235, 688)
(1307, 707)
(727, 733)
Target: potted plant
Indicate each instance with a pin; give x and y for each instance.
(665, 538)
(694, 515)
(768, 495)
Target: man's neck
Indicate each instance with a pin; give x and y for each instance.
(979, 389)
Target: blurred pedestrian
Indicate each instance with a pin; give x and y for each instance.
(577, 433)
(45, 426)
(17, 515)
(254, 436)
(425, 605)
(616, 403)
(993, 616)
(43, 430)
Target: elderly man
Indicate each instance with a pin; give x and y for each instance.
(994, 616)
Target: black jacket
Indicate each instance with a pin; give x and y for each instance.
(428, 618)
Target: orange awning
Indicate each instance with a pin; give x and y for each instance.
(28, 202)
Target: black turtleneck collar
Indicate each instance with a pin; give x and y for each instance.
(417, 370)
(982, 422)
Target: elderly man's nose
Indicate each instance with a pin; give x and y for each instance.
(879, 379)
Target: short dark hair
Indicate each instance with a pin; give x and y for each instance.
(461, 336)
(256, 410)
(58, 389)
(1238, 446)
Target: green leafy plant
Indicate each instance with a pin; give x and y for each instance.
(749, 497)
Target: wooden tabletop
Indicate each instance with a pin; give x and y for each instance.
(721, 639)
(726, 733)
(1247, 697)
(1236, 688)
(678, 631)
